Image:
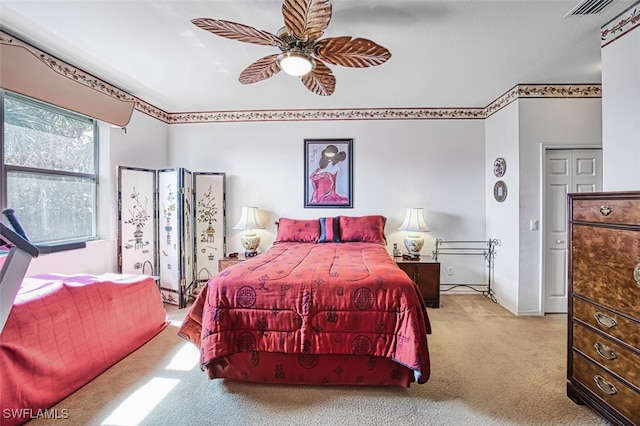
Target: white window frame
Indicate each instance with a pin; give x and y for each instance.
(5, 169)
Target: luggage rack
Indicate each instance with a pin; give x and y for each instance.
(485, 248)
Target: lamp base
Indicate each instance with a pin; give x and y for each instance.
(250, 241)
(414, 244)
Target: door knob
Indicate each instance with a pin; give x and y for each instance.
(559, 241)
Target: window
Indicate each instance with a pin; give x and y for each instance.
(49, 170)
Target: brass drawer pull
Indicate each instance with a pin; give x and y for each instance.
(605, 386)
(605, 351)
(605, 320)
(605, 210)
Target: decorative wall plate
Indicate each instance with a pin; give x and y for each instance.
(500, 191)
(499, 167)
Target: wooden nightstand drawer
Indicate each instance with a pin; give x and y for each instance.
(226, 262)
(426, 274)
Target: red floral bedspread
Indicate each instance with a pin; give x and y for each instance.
(63, 331)
(313, 299)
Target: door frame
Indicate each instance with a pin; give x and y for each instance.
(544, 147)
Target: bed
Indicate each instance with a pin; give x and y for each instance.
(64, 330)
(325, 305)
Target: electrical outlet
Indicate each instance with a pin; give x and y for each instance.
(449, 270)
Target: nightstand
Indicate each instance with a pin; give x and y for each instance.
(225, 262)
(426, 274)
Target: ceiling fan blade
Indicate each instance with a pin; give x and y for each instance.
(237, 31)
(321, 80)
(307, 19)
(260, 70)
(348, 52)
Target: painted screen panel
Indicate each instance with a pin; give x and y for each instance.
(209, 232)
(187, 228)
(137, 221)
(169, 235)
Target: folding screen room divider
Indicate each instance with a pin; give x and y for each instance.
(172, 226)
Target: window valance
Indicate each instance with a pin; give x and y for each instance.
(33, 73)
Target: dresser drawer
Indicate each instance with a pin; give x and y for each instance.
(605, 264)
(606, 387)
(609, 354)
(621, 212)
(614, 325)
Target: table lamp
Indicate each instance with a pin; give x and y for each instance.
(414, 223)
(249, 220)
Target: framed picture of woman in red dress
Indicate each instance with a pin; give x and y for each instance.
(328, 172)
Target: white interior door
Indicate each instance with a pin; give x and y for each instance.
(567, 171)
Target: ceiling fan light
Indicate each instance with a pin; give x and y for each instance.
(295, 63)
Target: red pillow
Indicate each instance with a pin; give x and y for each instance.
(298, 230)
(366, 229)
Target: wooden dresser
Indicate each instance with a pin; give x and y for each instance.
(604, 305)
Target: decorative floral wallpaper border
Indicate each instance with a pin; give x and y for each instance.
(620, 25)
(519, 91)
(327, 114)
(544, 91)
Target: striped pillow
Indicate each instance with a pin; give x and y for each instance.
(329, 230)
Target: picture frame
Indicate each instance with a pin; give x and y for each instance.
(328, 173)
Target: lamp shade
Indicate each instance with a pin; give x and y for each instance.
(414, 221)
(249, 219)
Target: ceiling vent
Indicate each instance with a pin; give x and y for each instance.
(589, 8)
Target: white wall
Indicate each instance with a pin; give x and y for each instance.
(620, 112)
(501, 134)
(518, 133)
(437, 165)
(564, 123)
(144, 144)
(433, 164)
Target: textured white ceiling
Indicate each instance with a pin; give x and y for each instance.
(445, 54)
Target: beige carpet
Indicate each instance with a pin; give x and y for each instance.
(488, 368)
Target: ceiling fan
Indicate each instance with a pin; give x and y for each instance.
(302, 51)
